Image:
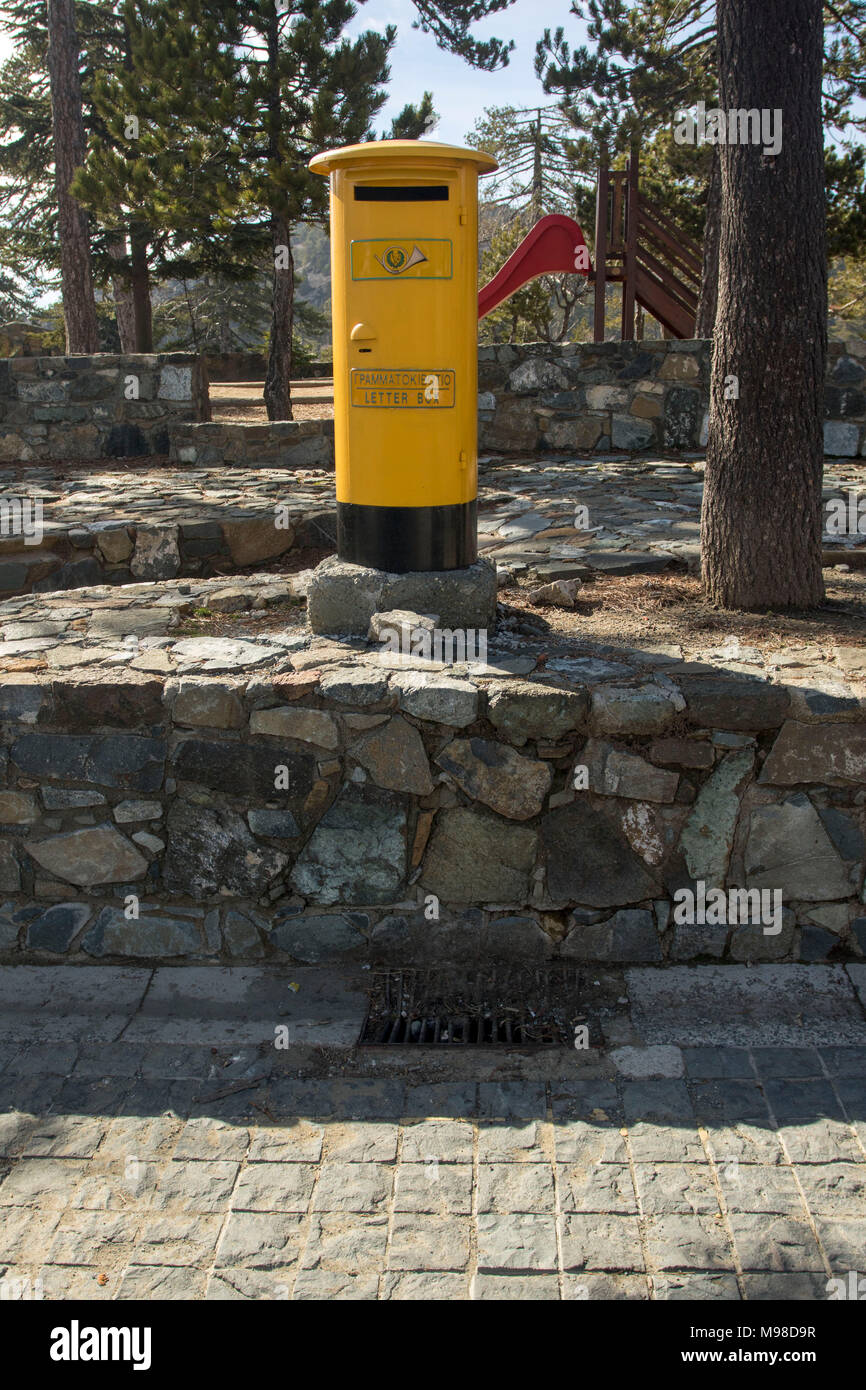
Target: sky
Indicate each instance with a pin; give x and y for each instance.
(460, 92)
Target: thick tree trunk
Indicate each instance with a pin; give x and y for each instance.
(709, 295)
(79, 306)
(761, 524)
(138, 243)
(278, 391)
(124, 309)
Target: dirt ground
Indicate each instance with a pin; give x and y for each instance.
(667, 609)
(636, 610)
(75, 468)
(233, 402)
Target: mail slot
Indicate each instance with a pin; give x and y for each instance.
(404, 273)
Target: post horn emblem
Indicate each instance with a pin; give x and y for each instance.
(395, 259)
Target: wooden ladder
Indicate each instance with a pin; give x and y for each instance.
(638, 246)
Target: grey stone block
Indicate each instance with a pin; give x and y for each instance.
(241, 935)
(429, 1242)
(56, 928)
(342, 597)
(775, 1244)
(243, 770)
(687, 1241)
(629, 432)
(589, 861)
(630, 935)
(519, 1241)
(314, 939)
(277, 825)
(357, 852)
(107, 760)
(727, 1005)
(112, 934)
(816, 943)
(595, 1242)
(212, 850)
(841, 438)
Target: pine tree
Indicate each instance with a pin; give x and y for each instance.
(156, 175)
(542, 168)
(541, 171)
(67, 126)
(15, 302)
(305, 87)
(217, 315)
(414, 121)
(847, 292)
(451, 21)
(158, 206)
(29, 241)
(761, 524)
(649, 59)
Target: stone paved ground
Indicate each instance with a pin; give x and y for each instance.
(642, 513)
(135, 626)
(642, 517)
(647, 507)
(181, 1161)
(157, 628)
(106, 494)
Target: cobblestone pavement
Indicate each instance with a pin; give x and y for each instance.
(640, 514)
(642, 517)
(132, 626)
(647, 507)
(107, 495)
(163, 1171)
(136, 627)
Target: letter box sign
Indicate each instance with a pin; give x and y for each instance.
(404, 284)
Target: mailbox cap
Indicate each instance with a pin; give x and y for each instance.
(401, 152)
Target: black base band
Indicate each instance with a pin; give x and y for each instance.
(401, 539)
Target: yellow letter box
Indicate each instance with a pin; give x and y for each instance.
(404, 268)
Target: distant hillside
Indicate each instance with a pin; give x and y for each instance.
(311, 248)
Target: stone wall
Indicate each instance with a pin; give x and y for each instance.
(104, 406)
(583, 398)
(345, 808)
(121, 553)
(650, 395)
(278, 444)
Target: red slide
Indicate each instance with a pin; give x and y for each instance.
(555, 243)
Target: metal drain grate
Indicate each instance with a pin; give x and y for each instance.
(512, 1006)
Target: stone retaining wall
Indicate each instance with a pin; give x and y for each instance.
(278, 444)
(346, 808)
(107, 406)
(586, 397)
(127, 553)
(650, 395)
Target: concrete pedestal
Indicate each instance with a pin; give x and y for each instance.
(343, 597)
